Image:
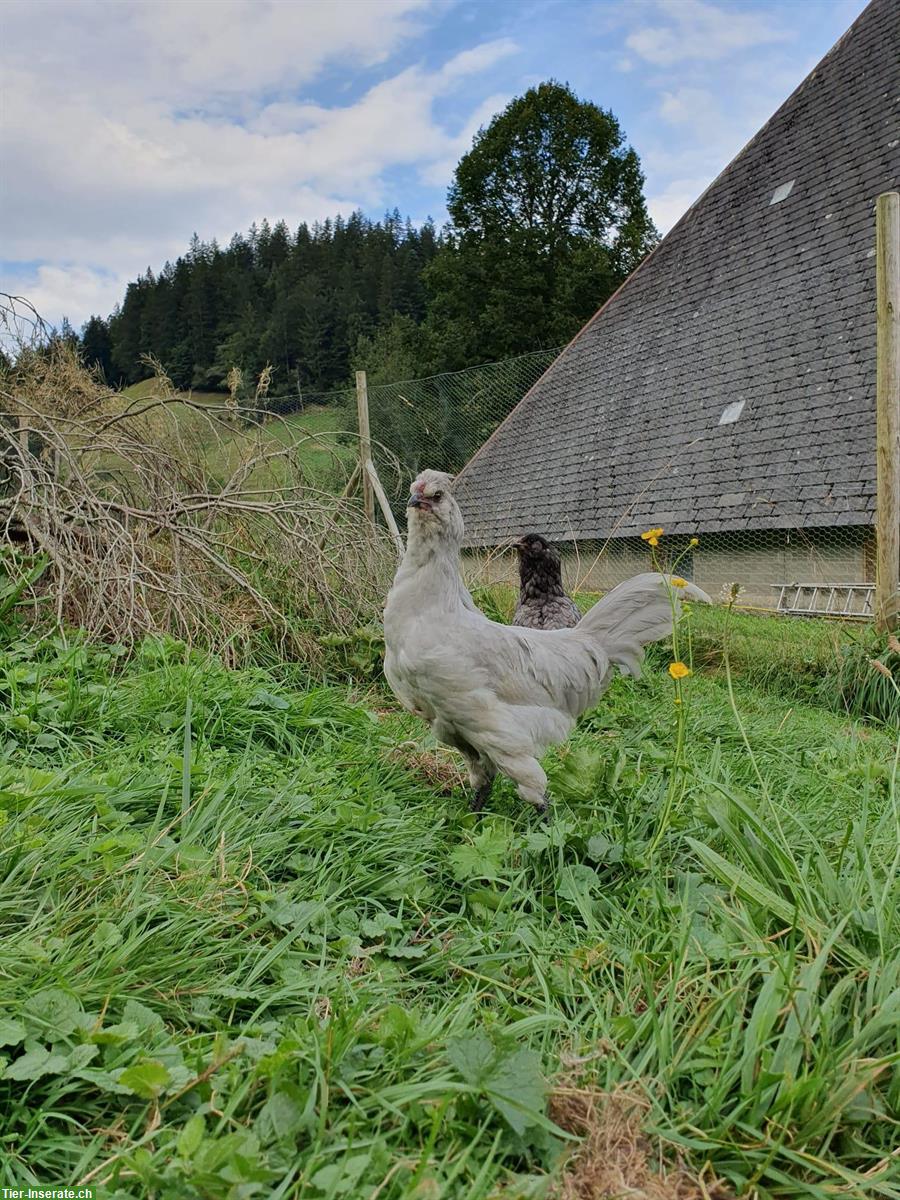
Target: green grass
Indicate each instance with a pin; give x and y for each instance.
(147, 389)
(323, 454)
(250, 950)
(827, 663)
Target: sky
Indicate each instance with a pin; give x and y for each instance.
(127, 125)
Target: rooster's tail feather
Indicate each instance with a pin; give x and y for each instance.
(634, 614)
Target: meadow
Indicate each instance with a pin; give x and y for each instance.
(314, 432)
(255, 945)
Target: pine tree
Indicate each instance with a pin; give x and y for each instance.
(96, 347)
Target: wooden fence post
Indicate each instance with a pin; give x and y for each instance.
(887, 401)
(365, 445)
(385, 506)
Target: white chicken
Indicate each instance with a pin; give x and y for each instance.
(502, 694)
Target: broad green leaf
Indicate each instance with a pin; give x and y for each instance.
(471, 1056)
(338, 1178)
(405, 951)
(263, 699)
(602, 850)
(517, 1089)
(280, 1117)
(537, 842)
(147, 1079)
(230, 1151)
(191, 1136)
(103, 1081)
(377, 926)
(482, 858)
(53, 1012)
(397, 1025)
(37, 1062)
(511, 1080)
(294, 914)
(146, 1020)
(578, 881)
(124, 1031)
(11, 1032)
(80, 1056)
(106, 935)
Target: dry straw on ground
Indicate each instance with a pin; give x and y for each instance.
(616, 1158)
(167, 515)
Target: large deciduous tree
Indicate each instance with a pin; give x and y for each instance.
(547, 219)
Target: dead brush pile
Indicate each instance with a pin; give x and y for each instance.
(164, 515)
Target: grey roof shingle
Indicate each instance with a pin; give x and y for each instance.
(769, 303)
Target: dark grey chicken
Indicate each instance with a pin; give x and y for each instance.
(543, 603)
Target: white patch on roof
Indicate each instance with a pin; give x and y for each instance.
(782, 192)
(731, 413)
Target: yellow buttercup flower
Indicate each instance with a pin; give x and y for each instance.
(694, 542)
(652, 536)
(677, 581)
(678, 670)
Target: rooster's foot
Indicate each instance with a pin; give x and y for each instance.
(480, 797)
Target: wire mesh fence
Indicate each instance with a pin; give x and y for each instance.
(820, 572)
(441, 421)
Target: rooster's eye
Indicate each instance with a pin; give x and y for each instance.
(437, 495)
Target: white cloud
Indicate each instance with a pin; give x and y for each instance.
(75, 292)
(440, 171)
(670, 204)
(479, 58)
(184, 52)
(692, 29)
(702, 118)
(127, 127)
(682, 105)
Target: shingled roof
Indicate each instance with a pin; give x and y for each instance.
(730, 383)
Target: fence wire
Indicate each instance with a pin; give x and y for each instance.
(814, 572)
(443, 420)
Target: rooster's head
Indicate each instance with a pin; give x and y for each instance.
(431, 506)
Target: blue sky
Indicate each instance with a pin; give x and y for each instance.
(128, 124)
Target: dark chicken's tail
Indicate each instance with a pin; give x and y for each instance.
(634, 614)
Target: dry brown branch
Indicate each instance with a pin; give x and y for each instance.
(168, 515)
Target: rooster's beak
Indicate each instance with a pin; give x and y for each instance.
(415, 502)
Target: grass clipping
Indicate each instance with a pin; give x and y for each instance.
(162, 515)
(615, 1158)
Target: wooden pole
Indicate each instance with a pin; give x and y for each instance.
(365, 445)
(351, 483)
(385, 508)
(887, 402)
(348, 490)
